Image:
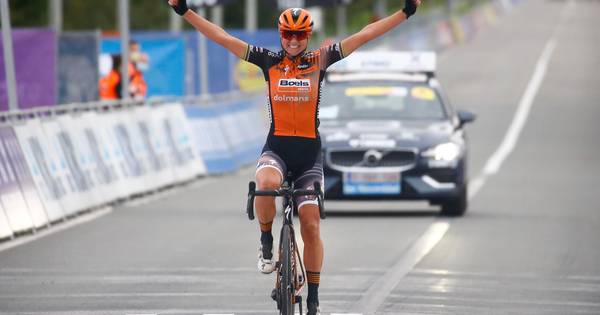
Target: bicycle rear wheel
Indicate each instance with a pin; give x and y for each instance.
(286, 287)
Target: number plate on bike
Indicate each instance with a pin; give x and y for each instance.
(371, 183)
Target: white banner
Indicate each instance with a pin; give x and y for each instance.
(42, 166)
(149, 123)
(11, 150)
(66, 171)
(184, 154)
(116, 172)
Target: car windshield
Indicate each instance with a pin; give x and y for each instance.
(380, 100)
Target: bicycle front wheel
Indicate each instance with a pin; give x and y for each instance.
(286, 288)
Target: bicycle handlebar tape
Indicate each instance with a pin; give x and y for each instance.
(409, 8)
(317, 186)
(250, 202)
(180, 8)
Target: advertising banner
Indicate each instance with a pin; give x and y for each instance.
(76, 146)
(78, 195)
(78, 67)
(211, 141)
(184, 154)
(137, 130)
(5, 231)
(12, 199)
(132, 164)
(10, 148)
(245, 136)
(148, 122)
(35, 68)
(116, 172)
(43, 167)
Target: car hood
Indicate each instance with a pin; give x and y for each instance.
(385, 134)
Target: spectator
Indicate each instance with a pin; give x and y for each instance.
(110, 85)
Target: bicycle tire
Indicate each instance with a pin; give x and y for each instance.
(287, 277)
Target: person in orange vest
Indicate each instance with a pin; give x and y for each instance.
(110, 85)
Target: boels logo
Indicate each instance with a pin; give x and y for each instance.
(288, 85)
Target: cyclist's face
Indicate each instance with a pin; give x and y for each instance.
(294, 44)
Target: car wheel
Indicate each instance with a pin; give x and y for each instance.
(457, 206)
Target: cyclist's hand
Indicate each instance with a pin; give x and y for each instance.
(179, 6)
(410, 7)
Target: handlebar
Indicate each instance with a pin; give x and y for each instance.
(252, 192)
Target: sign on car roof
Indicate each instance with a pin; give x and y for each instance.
(387, 61)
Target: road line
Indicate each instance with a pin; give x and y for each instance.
(512, 136)
(56, 228)
(380, 289)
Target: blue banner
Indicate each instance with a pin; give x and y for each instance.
(166, 68)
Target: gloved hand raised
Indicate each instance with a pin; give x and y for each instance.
(410, 7)
(179, 6)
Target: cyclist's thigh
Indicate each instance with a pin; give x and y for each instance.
(270, 170)
(306, 181)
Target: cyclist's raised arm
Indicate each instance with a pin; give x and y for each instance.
(379, 28)
(210, 30)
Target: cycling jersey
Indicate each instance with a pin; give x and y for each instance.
(294, 94)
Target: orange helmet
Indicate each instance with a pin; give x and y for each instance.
(295, 19)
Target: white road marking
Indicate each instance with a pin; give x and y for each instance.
(56, 228)
(381, 288)
(512, 136)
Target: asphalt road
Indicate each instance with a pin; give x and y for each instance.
(528, 245)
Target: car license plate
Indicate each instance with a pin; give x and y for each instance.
(371, 183)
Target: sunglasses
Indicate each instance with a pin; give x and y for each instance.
(288, 35)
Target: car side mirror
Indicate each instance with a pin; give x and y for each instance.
(465, 117)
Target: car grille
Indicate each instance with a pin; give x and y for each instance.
(357, 158)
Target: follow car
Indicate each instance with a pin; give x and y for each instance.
(388, 132)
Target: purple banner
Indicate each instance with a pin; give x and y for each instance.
(35, 68)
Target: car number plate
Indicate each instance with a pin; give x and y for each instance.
(371, 183)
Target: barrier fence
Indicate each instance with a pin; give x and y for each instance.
(56, 162)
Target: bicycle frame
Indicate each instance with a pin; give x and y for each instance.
(289, 260)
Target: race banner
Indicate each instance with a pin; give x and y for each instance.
(178, 133)
(68, 170)
(116, 173)
(12, 199)
(148, 122)
(10, 148)
(211, 141)
(43, 167)
(35, 68)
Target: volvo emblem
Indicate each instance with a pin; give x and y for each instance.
(372, 158)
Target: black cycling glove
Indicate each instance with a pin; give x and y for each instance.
(181, 7)
(409, 8)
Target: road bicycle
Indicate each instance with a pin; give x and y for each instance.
(291, 274)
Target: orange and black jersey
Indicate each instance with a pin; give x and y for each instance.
(294, 86)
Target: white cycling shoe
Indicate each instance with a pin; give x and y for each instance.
(264, 265)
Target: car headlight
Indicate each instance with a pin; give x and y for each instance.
(443, 152)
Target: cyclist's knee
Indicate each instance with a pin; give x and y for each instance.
(310, 222)
(268, 179)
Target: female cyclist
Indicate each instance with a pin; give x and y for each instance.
(294, 77)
